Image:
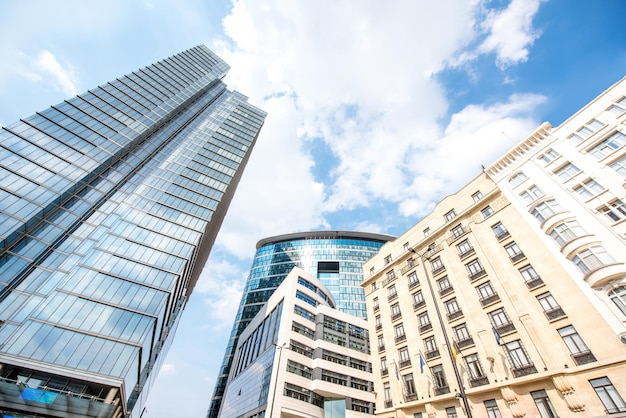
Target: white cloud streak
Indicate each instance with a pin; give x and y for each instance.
(63, 77)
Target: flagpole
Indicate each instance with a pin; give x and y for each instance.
(466, 406)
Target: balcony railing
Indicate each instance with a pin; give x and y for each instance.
(583, 357)
(381, 348)
(379, 327)
(505, 328)
(533, 283)
(439, 269)
(384, 372)
(477, 274)
(479, 381)
(502, 235)
(392, 296)
(424, 328)
(457, 233)
(517, 257)
(465, 343)
(489, 299)
(410, 397)
(408, 266)
(454, 315)
(400, 338)
(405, 363)
(413, 284)
(555, 313)
(390, 279)
(463, 255)
(524, 370)
(420, 304)
(446, 291)
(432, 354)
(388, 404)
(442, 390)
(376, 308)
(396, 316)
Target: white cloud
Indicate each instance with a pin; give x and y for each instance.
(64, 77)
(511, 32)
(168, 368)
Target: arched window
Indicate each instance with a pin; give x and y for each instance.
(618, 296)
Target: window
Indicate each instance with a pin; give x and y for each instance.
(486, 294)
(383, 365)
(409, 385)
(392, 292)
(546, 209)
(452, 307)
(609, 396)
(477, 196)
(566, 232)
(430, 345)
(474, 367)
(464, 248)
(403, 353)
(592, 259)
(487, 212)
(399, 332)
(501, 321)
(532, 194)
(371, 274)
(439, 377)
(426, 232)
(550, 306)
(444, 284)
(615, 211)
(391, 275)
(461, 333)
(618, 296)
(620, 166)
(387, 391)
(514, 251)
(395, 311)
(457, 231)
(450, 215)
(517, 354)
(588, 189)
(379, 323)
(406, 246)
(500, 231)
(376, 304)
(413, 280)
(381, 343)
(374, 286)
(475, 269)
(388, 259)
(609, 145)
(424, 321)
(576, 345)
(546, 410)
(451, 412)
(492, 409)
(566, 172)
(436, 265)
(549, 156)
(586, 131)
(418, 299)
(517, 179)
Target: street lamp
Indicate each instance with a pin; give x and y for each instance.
(445, 337)
(280, 352)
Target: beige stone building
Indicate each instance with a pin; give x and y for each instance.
(509, 299)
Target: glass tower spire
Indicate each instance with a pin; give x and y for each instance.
(109, 205)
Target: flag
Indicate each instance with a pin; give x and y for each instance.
(397, 371)
(455, 350)
(422, 363)
(495, 333)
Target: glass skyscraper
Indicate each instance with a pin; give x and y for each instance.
(335, 257)
(109, 205)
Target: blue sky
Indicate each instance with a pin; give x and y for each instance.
(376, 111)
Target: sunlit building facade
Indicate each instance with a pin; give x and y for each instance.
(300, 356)
(334, 257)
(508, 298)
(109, 205)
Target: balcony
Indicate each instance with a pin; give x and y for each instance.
(463, 255)
(405, 363)
(379, 327)
(446, 291)
(442, 390)
(410, 265)
(465, 343)
(392, 296)
(505, 328)
(534, 283)
(420, 304)
(432, 354)
(437, 270)
(457, 233)
(400, 338)
(424, 328)
(502, 235)
(479, 381)
(524, 370)
(396, 316)
(413, 284)
(384, 372)
(454, 315)
(390, 278)
(388, 404)
(583, 357)
(381, 348)
(376, 308)
(477, 274)
(410, 397)
(489, 299)
(517, 257)
(555, 313)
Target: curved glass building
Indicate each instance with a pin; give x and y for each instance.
(335, 257)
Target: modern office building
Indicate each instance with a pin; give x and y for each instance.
(109, 205)
(508, 299)
(334, 257)
(301, 357)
